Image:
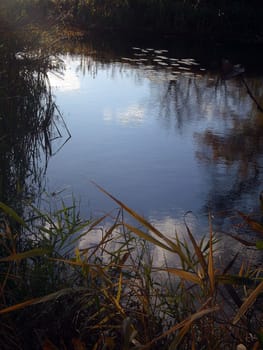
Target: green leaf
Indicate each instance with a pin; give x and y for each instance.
(13, 214)
(25, 255)
(259, 245)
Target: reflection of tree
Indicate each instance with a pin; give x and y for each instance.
(235, 152)
(232, 146)
(27, 123)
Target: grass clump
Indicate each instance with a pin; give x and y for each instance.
(73, 284)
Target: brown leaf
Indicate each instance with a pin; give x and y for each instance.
(78, 344)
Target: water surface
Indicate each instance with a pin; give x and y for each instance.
(161, 131)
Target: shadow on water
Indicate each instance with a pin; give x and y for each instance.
(30, 121)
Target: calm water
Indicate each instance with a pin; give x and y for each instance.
(159, 130)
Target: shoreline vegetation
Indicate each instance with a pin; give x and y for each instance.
(61, 289)
(57, 294)
(215, 22)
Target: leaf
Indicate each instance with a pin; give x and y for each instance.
(246, 243)
(141, 220)
(211, 271)
(185, 323)
(248, 302)
(234, 279)
(259, 245)
(252, 223)
(147, 237)
(13, 214)
(188, 276)
(118, 297)
(35, 301)
(198, 251)
(189, 323)
(78, 344)
(48, 345)
(25, 255)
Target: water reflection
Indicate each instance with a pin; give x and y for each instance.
(30, 122)
(196, 139)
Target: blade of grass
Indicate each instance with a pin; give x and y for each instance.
(147, 237)
(197, 249)
(25, 255)
(186, 327)
(188, 276)
(35, 301)
(138, 217)
(185, 323)
(211, 271)
(248, 302)
(252, 223)
(13, 214)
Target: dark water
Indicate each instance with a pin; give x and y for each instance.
(158, 128)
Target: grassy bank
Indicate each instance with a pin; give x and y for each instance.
(61, 289)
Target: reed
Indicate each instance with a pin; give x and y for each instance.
(112, 294)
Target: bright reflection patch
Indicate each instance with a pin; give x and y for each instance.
(133, 114)
(68, 81)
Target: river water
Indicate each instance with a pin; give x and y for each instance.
(159, 128)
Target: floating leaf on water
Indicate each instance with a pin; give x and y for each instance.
(136, 48)
(203, 69)
(175, 64)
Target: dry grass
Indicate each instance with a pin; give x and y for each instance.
(111, 295)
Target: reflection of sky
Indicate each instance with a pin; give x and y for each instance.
(125, 138)
(167, 225)
(131, 115)
(67, 81)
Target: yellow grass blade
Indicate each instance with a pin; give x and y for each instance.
(185, 323)
(19, 306)
(188, 276)
(13, 214)
(34, 301)
(253, 224)
(118, 297)
(198, 251)
(147, 237)
(211, 271)
(139, 218)
(186, 327)
(25, 255)
(248, 302)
